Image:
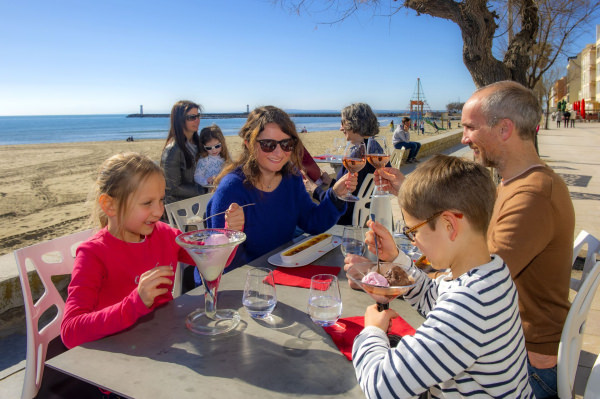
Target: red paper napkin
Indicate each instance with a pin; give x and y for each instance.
(320, 157)
(344, 339)
(300, 276)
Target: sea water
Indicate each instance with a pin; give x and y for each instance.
(84, 128)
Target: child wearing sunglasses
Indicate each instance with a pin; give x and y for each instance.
(471, 342)
(212, 156)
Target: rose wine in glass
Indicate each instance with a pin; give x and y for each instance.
(378, 155)
(354, 159)
(211, 250)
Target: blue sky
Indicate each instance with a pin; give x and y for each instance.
(110, 56)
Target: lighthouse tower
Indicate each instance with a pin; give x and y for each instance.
(141, 110)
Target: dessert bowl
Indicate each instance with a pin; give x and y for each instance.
(381, 295)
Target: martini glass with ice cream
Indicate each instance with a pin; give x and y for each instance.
(393, 280)
(211, 250)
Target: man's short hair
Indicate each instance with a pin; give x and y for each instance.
(405, 119)
(449, 183)
(511, 100)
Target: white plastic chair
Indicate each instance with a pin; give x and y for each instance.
(593, 249)
(572, 334)
(361, 213)
(178, 213)
(592, 389)
(51, 258)
(396, 157)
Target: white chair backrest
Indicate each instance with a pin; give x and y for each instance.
(592, 389)
(361, 212)
(572, 334)
(178, 212)
(593, 249)
(51, 258)
(396, 158)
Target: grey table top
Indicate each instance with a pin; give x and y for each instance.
(288, 356)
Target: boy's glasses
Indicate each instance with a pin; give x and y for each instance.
(410, 232)
(269, 145)
(209, 148)
(192, 117)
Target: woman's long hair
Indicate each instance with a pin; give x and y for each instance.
(255, 124)
(176, 131)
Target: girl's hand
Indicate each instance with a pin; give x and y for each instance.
(234, 217)
(153, 283)
(383, 319)
(385, 242)
(210, 180)
(350, 260)
(346, 184)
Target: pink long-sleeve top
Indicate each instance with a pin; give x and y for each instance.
(103, 297)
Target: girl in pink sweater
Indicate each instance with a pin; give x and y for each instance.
(126, 269)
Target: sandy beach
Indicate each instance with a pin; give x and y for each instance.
(44, 187)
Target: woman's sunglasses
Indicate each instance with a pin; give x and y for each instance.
(209, 148)
(192, 117)
(269, 145)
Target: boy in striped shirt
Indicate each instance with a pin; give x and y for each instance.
(471, 343)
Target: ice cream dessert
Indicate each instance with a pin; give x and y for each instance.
(397, 277)
(216, 239)
(394, 277)
(375, 278)
(210, 258)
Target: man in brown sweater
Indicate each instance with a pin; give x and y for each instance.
(533, 221)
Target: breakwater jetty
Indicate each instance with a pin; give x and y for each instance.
(291, 114)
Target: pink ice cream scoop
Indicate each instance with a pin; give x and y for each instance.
(375, 278)
(216, 239)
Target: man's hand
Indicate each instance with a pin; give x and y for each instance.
(390, 179)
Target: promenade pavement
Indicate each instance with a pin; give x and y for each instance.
(574, 153)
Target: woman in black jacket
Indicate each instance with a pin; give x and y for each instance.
(180, 154)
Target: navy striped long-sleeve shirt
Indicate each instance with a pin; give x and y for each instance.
(471, 344)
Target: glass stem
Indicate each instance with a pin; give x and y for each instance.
(210, 298)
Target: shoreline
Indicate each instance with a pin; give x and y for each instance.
(44, 187)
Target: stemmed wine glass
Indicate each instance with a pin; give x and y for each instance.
(211, 249)
(378, 155)
(354, 159)
(325, 300)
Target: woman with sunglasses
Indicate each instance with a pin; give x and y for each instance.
(359, 122)
(180, 153)
(213, 155)
(267, 173)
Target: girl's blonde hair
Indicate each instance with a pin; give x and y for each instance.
(119, 177)
(213, 132)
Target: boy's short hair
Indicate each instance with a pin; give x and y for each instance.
(449, 183)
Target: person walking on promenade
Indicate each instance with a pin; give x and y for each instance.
(558, 118)
(402, 139)
(533, 222)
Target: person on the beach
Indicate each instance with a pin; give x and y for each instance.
(533, 223)
(471, 340)
(126, 269)
(402, 139)
(359, 122)
(181, 151)
(267, 174)
(212, 156)
(422, 127)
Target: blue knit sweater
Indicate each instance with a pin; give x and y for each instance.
(273, 220)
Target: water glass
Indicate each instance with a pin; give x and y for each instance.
(324, 300)
(259, 296)
(353, 241)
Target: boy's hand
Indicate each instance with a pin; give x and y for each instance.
(234, 217)
(390, 179)
(386, 245)
(383, 319)
(346, 184)
(153, 283)
(350, 260)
